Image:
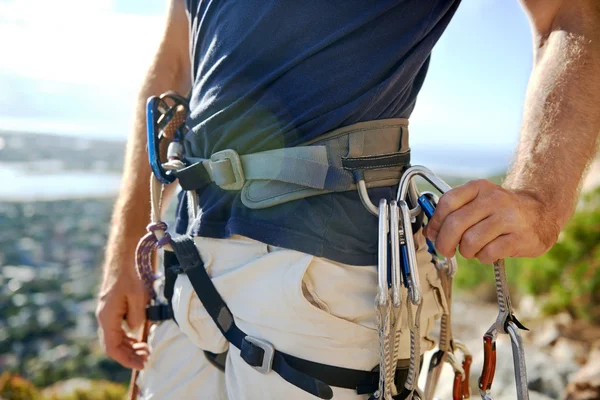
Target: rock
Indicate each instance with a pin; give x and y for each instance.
(564, 319)
(529, 308)
(546, 375)
(532, 396)
(547, 334)
(569, 351)
(585, 384)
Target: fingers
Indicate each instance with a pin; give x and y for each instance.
(120, 347)
(501, 247)
(479, 217)
(457, 224)
(479, 235)
(452, 201)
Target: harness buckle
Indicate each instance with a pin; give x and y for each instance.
(233, 170)
(248, 353)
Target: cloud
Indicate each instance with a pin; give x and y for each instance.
(74, 66)
(76, 41)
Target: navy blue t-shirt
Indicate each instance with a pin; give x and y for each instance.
(276, 73)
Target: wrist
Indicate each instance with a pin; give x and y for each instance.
(549, 217)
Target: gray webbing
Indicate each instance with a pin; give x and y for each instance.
(375, 152)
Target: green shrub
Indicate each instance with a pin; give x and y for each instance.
(13, 387)
(83, 389)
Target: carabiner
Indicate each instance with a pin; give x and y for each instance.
(396, 258)
(158, 116)
(506, 323)
(409, 256)
(460, 388)
(382, 253)
(425, 173)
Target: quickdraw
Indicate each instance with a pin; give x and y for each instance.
(505, 323)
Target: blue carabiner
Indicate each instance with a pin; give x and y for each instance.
(152, 116)
(428, 206)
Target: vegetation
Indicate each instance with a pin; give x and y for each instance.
(14, 387)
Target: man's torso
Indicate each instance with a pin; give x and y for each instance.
(272, 74)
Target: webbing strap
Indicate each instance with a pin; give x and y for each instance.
(312, 377)
(307, 166)
(171, 268)
(375, 150)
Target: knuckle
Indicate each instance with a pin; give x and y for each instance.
(510, 217)
(447, 202)
(486, 257)
(494, 197)
(468, 244)
(453, 223)
(479, 183)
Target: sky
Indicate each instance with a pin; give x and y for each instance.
(74, 67)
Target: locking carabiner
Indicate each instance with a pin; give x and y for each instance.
(165, 116)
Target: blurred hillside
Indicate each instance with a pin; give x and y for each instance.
(47, 153)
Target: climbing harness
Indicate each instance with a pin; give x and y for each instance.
(341, 160)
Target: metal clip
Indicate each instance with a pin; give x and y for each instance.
(395, 244)
(382, 253)
(158, 114)
(268, 355)
(505, 323)
(409, 256)
(461, 388)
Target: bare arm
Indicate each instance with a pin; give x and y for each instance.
(561, 120)
(122, 294)
(559, 137)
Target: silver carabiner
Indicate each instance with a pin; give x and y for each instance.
(414, 284)
(395, 253)
(382, 258)
(425, 173)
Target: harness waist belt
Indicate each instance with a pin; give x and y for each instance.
(374, 151)
(312, 377)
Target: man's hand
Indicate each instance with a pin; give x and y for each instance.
(123, 298)
(489, 222)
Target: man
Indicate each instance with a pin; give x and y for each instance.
(272, 74)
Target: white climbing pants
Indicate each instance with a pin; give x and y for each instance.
(306, 306)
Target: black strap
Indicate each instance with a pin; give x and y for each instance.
(159, 312)
(193, 177)
(172, 268)
(312, 377)
(398, 159)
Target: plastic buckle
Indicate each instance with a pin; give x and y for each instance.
(236, 166)
(269, 354)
